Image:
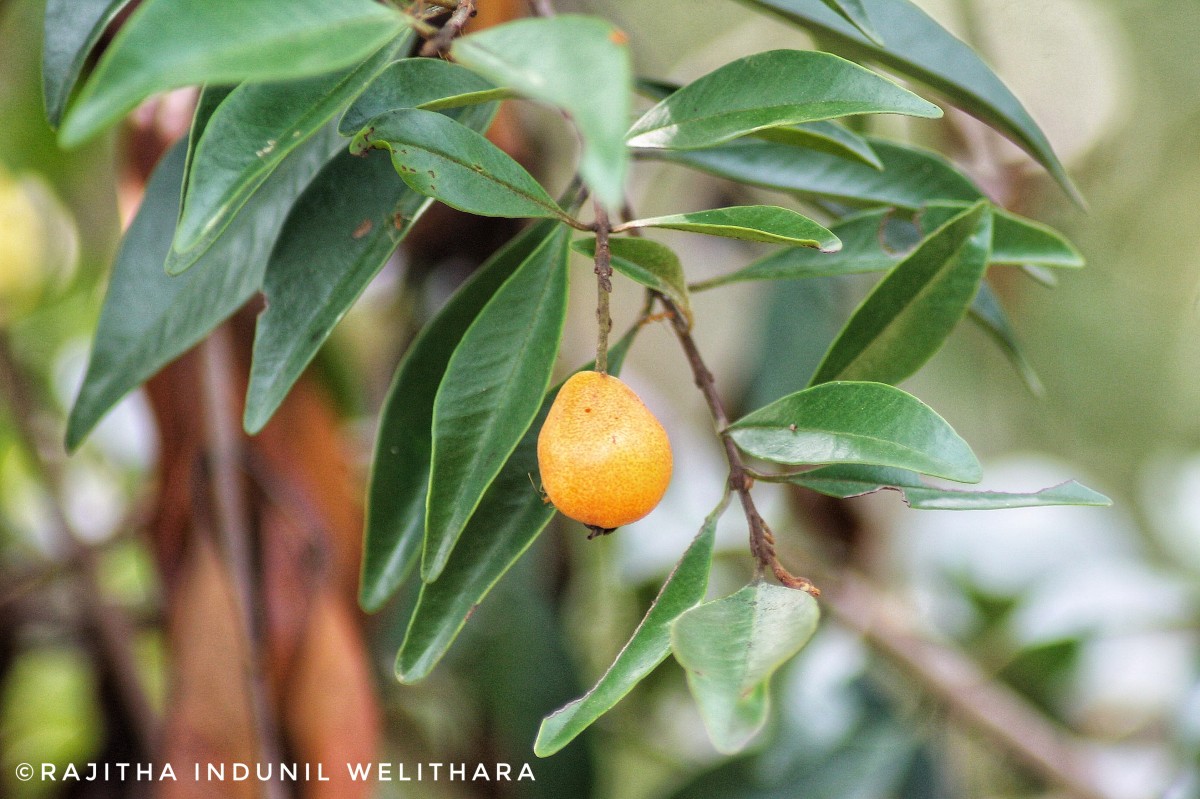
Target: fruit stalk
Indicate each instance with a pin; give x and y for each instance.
(603, 272)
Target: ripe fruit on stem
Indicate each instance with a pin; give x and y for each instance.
(604, 459)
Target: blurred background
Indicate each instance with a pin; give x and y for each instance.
(1090, 615)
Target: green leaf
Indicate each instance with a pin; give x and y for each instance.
(921, 48)
(910, 177)
(73, 27)
(450, 162)
(579, 64)
(490, 393)
(844, 422)
(252, 131)
(171, 43)
(354, 214)
(768, 90)
(395, 526)
(825, 137)
(653, 265)
(987, 312)
(730, 648)
(907, 317)
(649, 645)
(427, 83)
(509, 519)
(1015, 239)
(861, 251)
(766, 223)
(845, 481)
(150, 318)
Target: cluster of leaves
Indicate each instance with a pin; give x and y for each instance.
(277, 190)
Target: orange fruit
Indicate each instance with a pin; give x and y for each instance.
(605, 460)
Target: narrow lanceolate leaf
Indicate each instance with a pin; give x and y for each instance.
(910, 177)
(730, 648)
(653, 265)
(171, 43)
(768, 90)
(906, 319)
(508, 521)
(337, 237)
(1015, 239)
(649, 645)
(73, 27)
(870, 423)
(399, 480)
(450, 162)
(150, 318)
(862, 251)
(852, 481)
(987, 312)
(766, 223)
(825, 137)
(249, 135)
(918, 46)
(579, 64)
(491, 392)
(416, 83)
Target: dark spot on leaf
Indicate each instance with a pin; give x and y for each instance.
(363, 229)
(618, 37)
(432, 174)
(587, 410)
(398, 221)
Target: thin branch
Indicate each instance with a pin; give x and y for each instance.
(603, 272)
(224, 459)
(111, 631)
(440, 43)
(966, 691)
(541, 8)
(762, 540)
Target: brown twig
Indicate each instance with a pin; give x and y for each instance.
(603, 272)
(966, 691)
(440, 43)
(541, 8)
(224, 460)
(110, 630)
(762, 540)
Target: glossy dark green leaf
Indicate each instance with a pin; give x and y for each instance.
(171, 43)
(249, 135)
(579, 64)
(73, 27)
(862, 251)
(649, 645)
(1015, 239)
(987, 312)
(509, 519)
(906, 319)
(765, 223)
(150, 318)
(768, 90)
(450, 162)
(910, 177)
(854, 480)
(490, 393)
(918, 46)
(399, 483)
(653, 265)
(846, 422)
(353, 216)
(825, 137)
(730, 647)
(416, 83)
